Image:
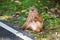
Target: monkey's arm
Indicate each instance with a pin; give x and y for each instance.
(39, 18)
(25, 26)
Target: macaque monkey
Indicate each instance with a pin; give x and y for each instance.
(34, 21)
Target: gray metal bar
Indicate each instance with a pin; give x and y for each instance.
(15, 31)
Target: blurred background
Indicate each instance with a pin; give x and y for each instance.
(15, 12)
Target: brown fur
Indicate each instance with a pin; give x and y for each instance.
(34, 21)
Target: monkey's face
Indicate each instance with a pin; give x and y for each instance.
(33, 12)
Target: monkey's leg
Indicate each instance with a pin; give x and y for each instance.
(24, 27)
